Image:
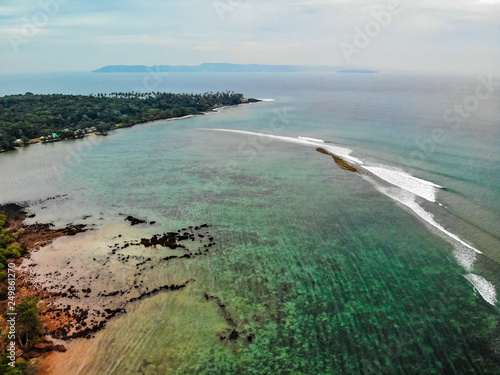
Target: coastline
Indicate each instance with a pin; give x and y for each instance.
(60, 324)
(65, 309)
(213, 109)
(34, 237)
(291, 225)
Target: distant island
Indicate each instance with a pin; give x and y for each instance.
(226, 68)
(30, 118)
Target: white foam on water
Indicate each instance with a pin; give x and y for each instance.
(464, 253)
(312, 139)
(422, 188)
(267, 100)
(342, 152)
(179, 118)
(484, 287)
(408, 199)
(405, 190)
(465, 256)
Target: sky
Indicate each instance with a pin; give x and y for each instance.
(453, 36)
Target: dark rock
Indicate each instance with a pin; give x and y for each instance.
(60, 348)
(134, 220)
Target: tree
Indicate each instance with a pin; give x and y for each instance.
(29, 326)
(13, 250)
(4, 237)
(33, 115)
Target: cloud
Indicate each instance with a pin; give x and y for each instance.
(429, 34)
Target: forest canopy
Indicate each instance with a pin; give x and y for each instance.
(57, 116)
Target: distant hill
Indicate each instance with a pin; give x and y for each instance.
(222, 68)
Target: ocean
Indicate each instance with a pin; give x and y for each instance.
(319, 270)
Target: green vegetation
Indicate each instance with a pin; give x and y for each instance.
(22, 368)
(29, 328)
(57, 116)
(8, 247)
(28, 324)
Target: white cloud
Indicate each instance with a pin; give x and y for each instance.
(427, 34)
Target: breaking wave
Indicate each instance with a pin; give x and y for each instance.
(403, 188)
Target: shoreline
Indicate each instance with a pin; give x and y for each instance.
(214, 109)
(66, 311)
(35, 237)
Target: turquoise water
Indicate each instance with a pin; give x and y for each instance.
(330, 275)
